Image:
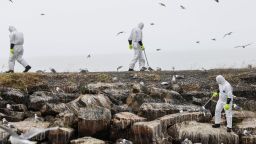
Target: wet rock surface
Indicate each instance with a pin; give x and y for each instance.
(122, 123)
(202, 133)
(127, 107)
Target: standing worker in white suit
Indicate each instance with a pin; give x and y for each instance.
(135, 42)
(225, 101)
(16, 50)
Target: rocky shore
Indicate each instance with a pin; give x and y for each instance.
(126, 107)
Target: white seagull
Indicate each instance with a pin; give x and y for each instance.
(24, 138)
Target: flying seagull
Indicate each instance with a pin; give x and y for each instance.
(197, 42)
(227, 34)
(89, 56)
(42, 14)
(214, 39)
(11, 1)
(152, 23)
(162, 4)
(158, 49)
(121, 32)
(243, 46)
(182, 7)
(217, 1)
(24, 138)
(119, 67)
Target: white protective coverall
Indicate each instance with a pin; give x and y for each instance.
(135, 37)
(17, 39)
(225, 93)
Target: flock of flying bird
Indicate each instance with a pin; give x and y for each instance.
(198, 42)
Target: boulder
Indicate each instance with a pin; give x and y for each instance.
(12, 116)
(248, 124)
(54, 109)
(153, 95)
(245, 103)
(248, 139)
(89, 101)
(19, 107)
(120, 108)
(4, 136)
(239, 116)
(27, 125)
(39, 99)
(148, 133)
(68, 119)
(117, 96)
(13, 95)
(93, 120)
(193, 95)
(122, 123)
(61, 136)
(37, 87)
(201, 133)
(172, 119)
(155, 110)
(87, 140)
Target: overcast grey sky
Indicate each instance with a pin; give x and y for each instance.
(80, 27)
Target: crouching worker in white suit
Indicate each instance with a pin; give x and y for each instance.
(16, 50)
(225, 102)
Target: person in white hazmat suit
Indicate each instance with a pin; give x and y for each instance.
(16, 50)
(225, 102)
(135, 43)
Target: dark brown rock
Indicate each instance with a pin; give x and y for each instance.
(61, 136)
(93, 120)
(201, 133)
(122, 123)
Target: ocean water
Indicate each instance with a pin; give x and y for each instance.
(181, 60)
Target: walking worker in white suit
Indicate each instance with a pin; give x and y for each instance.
(16, 50)
(135, 43)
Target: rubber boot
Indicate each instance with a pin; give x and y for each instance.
(143, 69)
(216, 126)
(27, 68)
(10, 71)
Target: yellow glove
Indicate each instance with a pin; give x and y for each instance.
(130, 47)
(215, 94)
(12, 51)
(142, 47)
(227, 106)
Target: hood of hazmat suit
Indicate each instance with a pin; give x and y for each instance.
(141, 26)
(226, 90)
(16, 37)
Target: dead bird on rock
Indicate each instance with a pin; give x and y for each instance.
(187, 141)
(38, 119)
(123, 141)
(53, 70)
